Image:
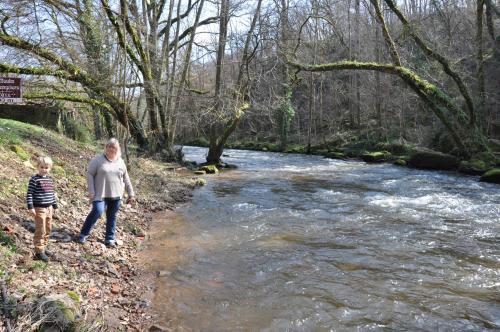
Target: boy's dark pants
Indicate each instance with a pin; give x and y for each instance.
(43, 225)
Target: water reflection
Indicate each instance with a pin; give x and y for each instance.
(302, 243)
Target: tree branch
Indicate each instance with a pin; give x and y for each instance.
(73, 98)
(438, 57)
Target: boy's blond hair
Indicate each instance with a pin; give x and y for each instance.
(44, 160)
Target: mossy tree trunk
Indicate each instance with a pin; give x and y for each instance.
(214, 146)
(220, 134)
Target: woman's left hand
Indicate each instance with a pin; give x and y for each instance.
(131, 200)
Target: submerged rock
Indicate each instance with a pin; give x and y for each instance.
(433, 160)
(492, 176)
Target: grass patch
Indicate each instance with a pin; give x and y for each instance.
(87, 257)
(133, 229)
(14, 187)
(39, 266)
(58, 170)
(7, 241)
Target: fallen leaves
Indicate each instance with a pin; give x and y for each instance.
(105, 279)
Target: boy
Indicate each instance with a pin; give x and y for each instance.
(41, 200)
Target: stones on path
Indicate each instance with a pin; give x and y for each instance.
(163, 273)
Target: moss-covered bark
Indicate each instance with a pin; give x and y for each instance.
(438, 57)
(74, 73)
(440, 103)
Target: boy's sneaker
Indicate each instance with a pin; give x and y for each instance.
(49, 253)
(41, 256)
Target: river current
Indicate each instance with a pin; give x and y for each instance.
(305, 243)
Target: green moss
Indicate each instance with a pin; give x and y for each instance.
(375, 157)
(492, 175)
(400, 162)
(17, 149)
(295, 148)
(335, 155)
(74, 296)
(209, 169)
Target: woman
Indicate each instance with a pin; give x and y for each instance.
(107, 177)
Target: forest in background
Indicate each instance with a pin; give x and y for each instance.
(318, 73)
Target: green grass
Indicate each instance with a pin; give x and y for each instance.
(87, 257)
(7, 241)
(39, 265)
(13, 132)
(14, 187)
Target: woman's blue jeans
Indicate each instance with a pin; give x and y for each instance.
(111, 206)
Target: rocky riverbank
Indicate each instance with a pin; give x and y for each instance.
(85, 287)
(485, 164)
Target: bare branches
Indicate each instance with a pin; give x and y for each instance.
(438, 57)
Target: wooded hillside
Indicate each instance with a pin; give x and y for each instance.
(314, 72)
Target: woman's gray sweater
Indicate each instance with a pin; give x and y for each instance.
(107, 179)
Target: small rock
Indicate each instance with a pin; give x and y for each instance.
(143, 304)
(115, 289)
(112, 270)
(119, 242)
(157, 328)
(8, 229)
(164, 273)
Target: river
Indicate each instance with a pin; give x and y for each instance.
(305, 243)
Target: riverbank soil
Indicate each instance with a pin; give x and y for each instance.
(102, 282)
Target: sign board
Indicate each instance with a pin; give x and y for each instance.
(10, 90)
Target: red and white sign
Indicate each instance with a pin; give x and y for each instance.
(10, 90)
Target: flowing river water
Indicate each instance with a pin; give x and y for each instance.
(305, 243)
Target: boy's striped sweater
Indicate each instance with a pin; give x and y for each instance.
(41, 192)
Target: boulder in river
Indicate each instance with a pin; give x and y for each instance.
(400, 162)
(493, 175)
(433, 160)
(335, 155)
(375, 157)
(494, 145)
(473, 167)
